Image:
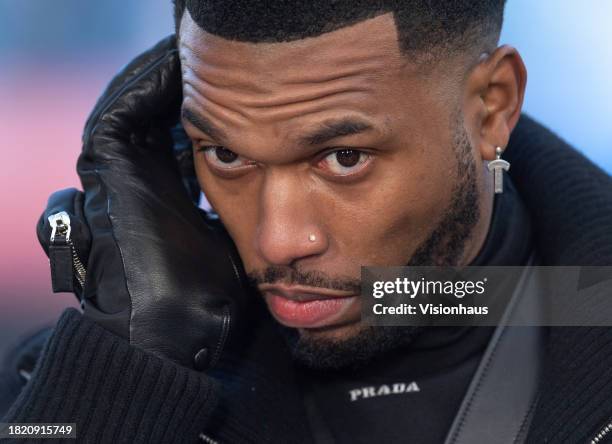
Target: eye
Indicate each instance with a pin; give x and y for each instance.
(345, 162)
(223, 158)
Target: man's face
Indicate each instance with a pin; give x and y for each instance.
(324, 155)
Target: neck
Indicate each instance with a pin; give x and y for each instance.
(481, 229)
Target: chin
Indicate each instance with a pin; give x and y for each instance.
(348, 346)
(335, 333)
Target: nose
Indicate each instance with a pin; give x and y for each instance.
(288, 230)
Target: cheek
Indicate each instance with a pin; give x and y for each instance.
(413, 187)
(395, 211)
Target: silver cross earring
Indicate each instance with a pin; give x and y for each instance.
(498, 166)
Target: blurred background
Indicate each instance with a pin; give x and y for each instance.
(56, 57)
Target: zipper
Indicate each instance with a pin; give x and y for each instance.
(207, 439)
(602, 434)
(60, 227)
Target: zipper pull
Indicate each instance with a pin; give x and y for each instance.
(60, 253)
(60, 225)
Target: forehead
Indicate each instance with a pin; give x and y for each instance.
(354, 58)
(370, 43)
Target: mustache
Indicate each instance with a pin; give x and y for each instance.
(311, 278)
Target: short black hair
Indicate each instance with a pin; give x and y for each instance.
(423, 25)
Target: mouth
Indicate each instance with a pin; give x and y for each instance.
(301, 306)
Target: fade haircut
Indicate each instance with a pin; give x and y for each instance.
(426, 28)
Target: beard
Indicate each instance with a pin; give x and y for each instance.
(444, 246)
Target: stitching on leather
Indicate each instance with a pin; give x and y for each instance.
(120, 91)
(518, 438)
(483, 376)
(223, 336)
(104, 191)
(530, 261)
(52, 255)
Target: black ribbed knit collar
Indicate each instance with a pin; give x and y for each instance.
(509, 239)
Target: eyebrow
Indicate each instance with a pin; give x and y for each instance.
(203, 124)
(331, 129)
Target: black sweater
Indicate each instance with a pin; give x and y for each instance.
(117, 393)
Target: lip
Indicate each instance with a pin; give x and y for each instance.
(303, 292)
(300, 306)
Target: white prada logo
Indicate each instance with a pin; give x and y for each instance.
(383, 390)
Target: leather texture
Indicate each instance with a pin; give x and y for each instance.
(159, 272)
(504, 390)
(63, 278)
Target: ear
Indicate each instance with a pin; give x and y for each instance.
(495, 92)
